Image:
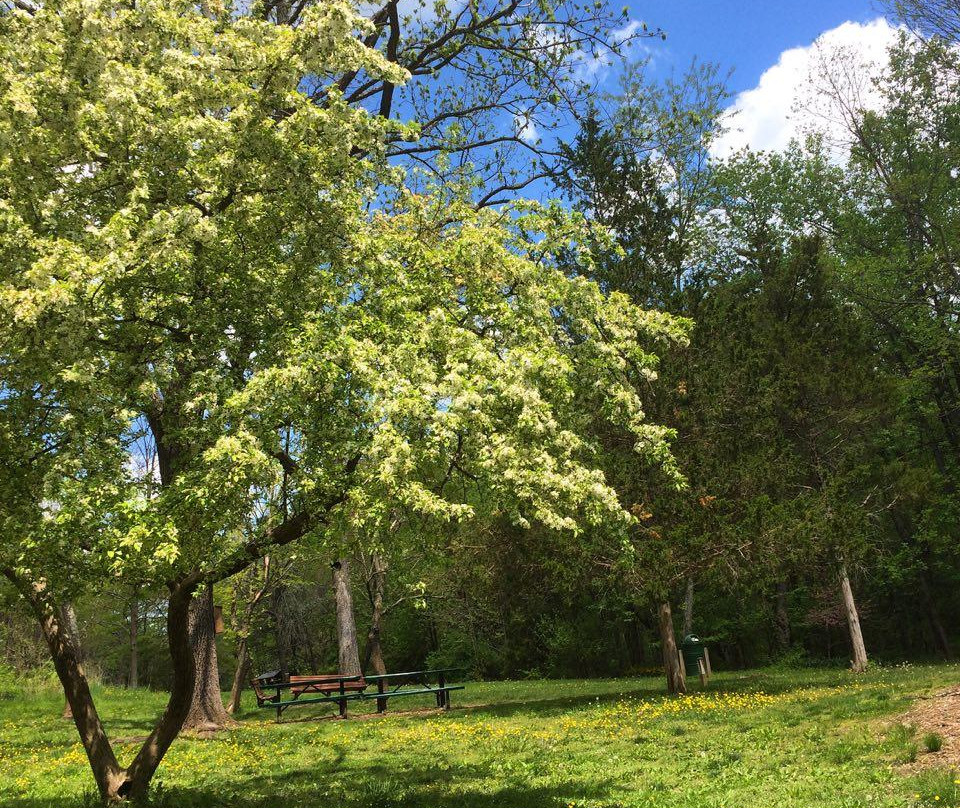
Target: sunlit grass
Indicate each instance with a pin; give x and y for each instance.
(764, 738)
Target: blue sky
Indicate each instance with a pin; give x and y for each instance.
(747, 36)
(773, 48)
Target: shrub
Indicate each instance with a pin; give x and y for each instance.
(933, 742)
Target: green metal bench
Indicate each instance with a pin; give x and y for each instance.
(333, 688)
(390, 685)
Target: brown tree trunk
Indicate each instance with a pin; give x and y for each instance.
(859, 661)
(65, 652)
(781, 619)
(688, 608)
(348, 651)
(373, 656)
(134, 676)
(113, 783)
(72, 629)
(676, 683)
(207, 713)
(243, 670)
(144, 766)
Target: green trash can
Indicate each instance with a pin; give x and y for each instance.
(693, 651)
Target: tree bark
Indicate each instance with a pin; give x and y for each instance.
(373, 655)
(65, 652)
(72, 629)
(781, 619)
(113, 783)
(676, 683)
(348, 651)
(859, 661)
(134, 676)
(207, 713)
(688, 608)
(145, 764)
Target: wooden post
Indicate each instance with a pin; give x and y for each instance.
(672, 663)
(702, 668)
(706, 658)
(859, 662)
(381, 703)
(683, 665)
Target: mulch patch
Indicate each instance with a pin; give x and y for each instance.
(939, 713)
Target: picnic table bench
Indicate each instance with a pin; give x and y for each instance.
(333, 688)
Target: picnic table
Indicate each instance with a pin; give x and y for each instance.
(293, 691)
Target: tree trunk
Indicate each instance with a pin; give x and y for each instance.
(373, 656)
(65, 652)
(859, 661)
(243, 670)
(113, 783)
(67, 661)
(348, 651)
(144, 766)
(781, 619)
(688, 608)
(134, 676)
(207, 713)
(72, 629)
(676, 683)
(940, 638)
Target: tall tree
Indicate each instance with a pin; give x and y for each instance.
(646, 177)
(187, 254)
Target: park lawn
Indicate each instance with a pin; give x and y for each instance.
(761, 738)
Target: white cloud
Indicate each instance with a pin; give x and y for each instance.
(789, 102)
(526, 128)
(630, 30)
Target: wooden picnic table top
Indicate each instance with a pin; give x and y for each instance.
(319, 679)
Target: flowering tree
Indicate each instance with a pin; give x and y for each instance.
(189, 260)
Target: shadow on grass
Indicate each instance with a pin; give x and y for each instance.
(377, 786)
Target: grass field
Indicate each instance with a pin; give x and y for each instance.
(762, 738)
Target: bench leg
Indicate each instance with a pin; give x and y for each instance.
(381, 703)
(441, 693)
